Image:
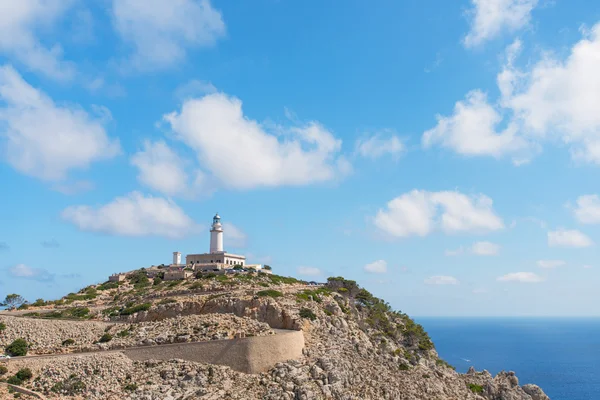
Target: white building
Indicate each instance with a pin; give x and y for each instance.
(216, 255)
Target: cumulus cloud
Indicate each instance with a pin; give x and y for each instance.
(441, 280)
(234, 236)
(521, 277)
(418, 213)
(568, 238)
(163, 170)
(22, 271)
(160, 32)
(379, 145)
(133, 215)
(587, 210)
(472, 130)
(529, 108)
(376, 267)
(20, 24)
(43, 139)
(309, 271)
(548, 264)
(489, 18)
(240, 153)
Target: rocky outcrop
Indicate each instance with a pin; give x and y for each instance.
(265, 310)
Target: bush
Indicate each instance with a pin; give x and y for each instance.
(123, 333)
(136, 308)
(167, 301)
(108, 285)
(70, 386)
(3, 370)
(308, 314)
(23, 306)
(107, 337)
(77, 312)
(269, 293)
(17, 348)
(2, 326)
(39, 303)
(157, 281)
(13, 380)
(68, 342)
(139, 277)
(130, 387)
(475, 388)
(24, 374)
(441, 362)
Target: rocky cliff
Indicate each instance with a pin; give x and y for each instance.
(357, 347)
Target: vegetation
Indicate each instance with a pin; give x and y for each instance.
(130, 387)
(123, 333)
(441, 362)
(267, 267)
(17, 348)
(2, 326)
(132, 309)
(475, 388)
(107, 337)
(108, 285)
(23, 306)
(278, 280)
(13, 380)
(24, 374)
(308, 314)
(70, 386)
(314, 295)
(3, 370)
(13, 301)
(68, 342)
(167, 301)
(270, 293)
(39, 303)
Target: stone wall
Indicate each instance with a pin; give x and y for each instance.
(250, 355)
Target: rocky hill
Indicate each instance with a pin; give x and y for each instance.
(356, 346)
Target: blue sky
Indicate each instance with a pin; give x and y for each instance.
(443, 154)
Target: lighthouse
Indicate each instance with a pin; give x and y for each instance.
(216, 235)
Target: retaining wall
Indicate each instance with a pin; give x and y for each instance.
(250, 355)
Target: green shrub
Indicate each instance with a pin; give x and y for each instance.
(17, 348)
(77, 312)
(475, 388)
(107, 337)
(278, 280)
(314, 295)
(2, 326)
(123, 333)
(308, 314)
(70, 386)
(39, 303)
(13, 380)
(197, 285)
(157, 281)
(130, 387)
(167, 301)
(68, 342)
(136, 308)
(269, 293)
(24, 374)
(3, 370)
(23, 306)
(443, 363)
(139, 277)
(108, 285)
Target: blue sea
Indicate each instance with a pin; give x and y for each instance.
(561, 355)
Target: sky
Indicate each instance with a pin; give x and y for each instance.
(443, 154)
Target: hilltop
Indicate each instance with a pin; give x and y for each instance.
(355, 345)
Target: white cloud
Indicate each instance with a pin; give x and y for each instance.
(489, 18)
(588, 267)
(485, 249)
(568, 238)
(133, 215)
(241, 154)
(161, 169)
(377, 146)
(548, 264)
(588, 209)
(420, 212)
(441, 280)
(20, 23)
(472, 130)
(453, 253)
(553, 100)
(376, 267)
(521, 277)
(160, 32)
(234, 236)
(46, 140)
(309, 271)
(23, 271)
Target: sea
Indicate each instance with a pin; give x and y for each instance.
(561, 355)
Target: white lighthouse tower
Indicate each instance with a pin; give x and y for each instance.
(216, 235)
